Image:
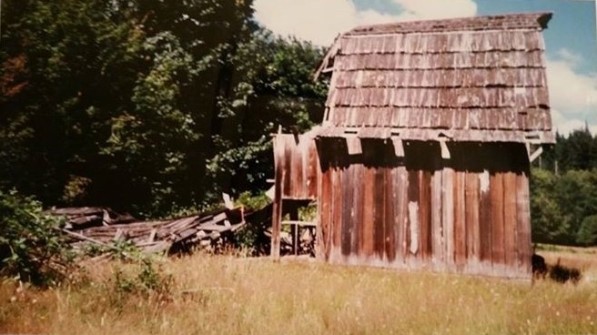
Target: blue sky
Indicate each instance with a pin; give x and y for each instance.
(572, 27)
(571, 37)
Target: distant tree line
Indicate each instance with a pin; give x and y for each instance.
(145, 106)
(564, 191)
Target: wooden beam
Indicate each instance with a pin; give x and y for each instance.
(354, 145)
(228, 202)
(280, 174)
(535, 154)
(88, 239)
(294, 216)
(398, 147)
(277, 215)
(444, 149)
(299, 223)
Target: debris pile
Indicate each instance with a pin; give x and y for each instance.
(104, 228)
(82, 217)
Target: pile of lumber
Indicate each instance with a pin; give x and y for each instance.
(102, 227)
(82, 217)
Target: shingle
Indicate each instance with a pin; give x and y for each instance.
(481, 73)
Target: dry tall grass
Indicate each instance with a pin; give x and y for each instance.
(227, 295)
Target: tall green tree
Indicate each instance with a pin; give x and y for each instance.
(587, 234)
(548, 221)
(576, 151)
(145, 106)
(68, 54)
(274, 88)
(561, 206)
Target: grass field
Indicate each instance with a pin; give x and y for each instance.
(229, 295)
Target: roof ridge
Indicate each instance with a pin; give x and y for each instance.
(536, 20)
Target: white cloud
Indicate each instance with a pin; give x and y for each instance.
(565, 125)
(573, 96)
(569, 57)
(436, 9)
(320, 21)
(569, 90)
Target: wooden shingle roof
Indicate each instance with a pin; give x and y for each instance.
(471, 79)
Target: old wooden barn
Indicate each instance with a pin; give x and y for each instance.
(424, 152)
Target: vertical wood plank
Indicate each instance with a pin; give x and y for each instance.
(425, 214)
(368, 194)
(448, 214)
(412, 223)
(497, 222)
(325, 215)
(357, 209)
(336, 227)
(314, 172)
(305, 170)
(485, 217)
(390, 219)
(344, 201)
(288, 166)
(379, 212)
(318, 192)
(510, 218)
(473, 242)
(524, 223)
(438, 245)
(296, 181)
(400, 211)
(459, 220)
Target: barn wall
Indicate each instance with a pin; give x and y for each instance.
(295, 158)
(469, 214)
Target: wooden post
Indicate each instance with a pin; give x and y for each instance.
(277, 214)
(280, 174)
(295, 229)
(320, 243)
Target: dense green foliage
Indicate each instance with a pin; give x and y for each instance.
(157, 106)
(587, 233)
(31, 245)
(145, 106)
(577, 151)
(564, 191)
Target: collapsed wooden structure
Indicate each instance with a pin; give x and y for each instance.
(101, 227)
(425, 147)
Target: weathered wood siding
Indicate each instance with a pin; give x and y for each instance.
(296, 156)
(468, 214)
(297, 175)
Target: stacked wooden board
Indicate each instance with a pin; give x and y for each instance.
(102, 227)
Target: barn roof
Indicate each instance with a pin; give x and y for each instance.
(470, 79)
